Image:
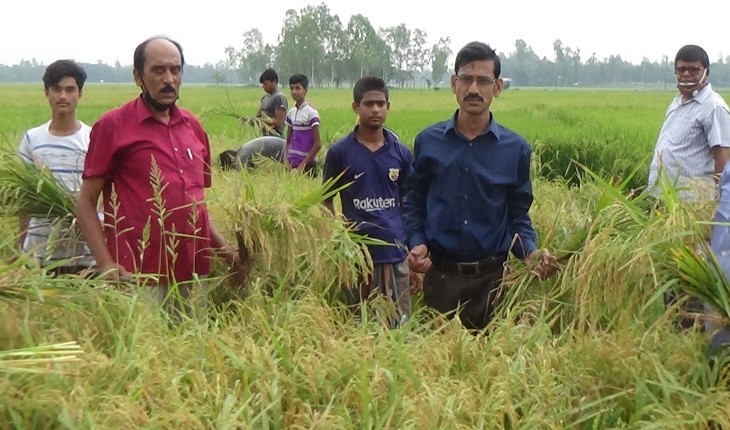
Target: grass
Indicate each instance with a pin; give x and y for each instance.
(592, 348)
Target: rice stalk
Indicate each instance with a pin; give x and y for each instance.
(698, 272)
(31, 190)
(39, 359)
(257, 123)
(282, 225)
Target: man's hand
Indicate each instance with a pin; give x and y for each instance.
(542, 263)
(419, 260)
(114, 273)
(416, 282)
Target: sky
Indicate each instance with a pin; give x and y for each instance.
(89, 31)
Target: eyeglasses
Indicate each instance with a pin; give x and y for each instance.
(482, 81)
(691, 69)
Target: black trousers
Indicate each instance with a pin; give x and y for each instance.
(471, 297)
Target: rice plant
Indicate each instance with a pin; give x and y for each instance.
(31, 190)
(279, 221)
(39, 359)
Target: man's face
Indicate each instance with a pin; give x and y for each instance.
(475, 85)
(298, 92)
(269, 86)
(688, 72)
(64, 97)
(162, 75)
(372, 110)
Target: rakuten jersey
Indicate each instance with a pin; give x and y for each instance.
(373, 200)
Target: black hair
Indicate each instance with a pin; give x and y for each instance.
(269, 75)
(368, 83)
(692, 53)
(228, 160)
(61, 69)
(299, 79)
(477, 51)
(140, 54)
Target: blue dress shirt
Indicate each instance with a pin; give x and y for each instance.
(469, 199)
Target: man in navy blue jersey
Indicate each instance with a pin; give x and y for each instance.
(377, 166)
(469, 196)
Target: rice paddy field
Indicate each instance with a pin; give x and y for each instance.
(591, 348)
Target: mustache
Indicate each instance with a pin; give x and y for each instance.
(168, 89)
(474, 97)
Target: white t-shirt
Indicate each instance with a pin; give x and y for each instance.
(64, 156)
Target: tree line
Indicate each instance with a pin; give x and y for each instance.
(331, 52)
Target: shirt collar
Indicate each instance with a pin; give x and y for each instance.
(493, 126)
(704, 93)
(388, 137)
(143, 112)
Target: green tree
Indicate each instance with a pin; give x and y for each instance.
(367, 53)
(300, 48)
(254, 56)
(417, 53)
(398, 40)
(439, 55)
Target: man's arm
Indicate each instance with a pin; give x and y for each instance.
(278, 119)
(24, 224)
(317, 144)
(519, 200)
(720, 155)
(414, 202)
(287, 144)
(414, 213)
(329, 172)
(88, 219)
(221, 247)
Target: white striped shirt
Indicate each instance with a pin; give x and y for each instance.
(64, 156)
(683, 149)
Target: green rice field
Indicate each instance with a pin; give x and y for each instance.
(591, 348)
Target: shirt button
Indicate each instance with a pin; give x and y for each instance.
(466, 222)
(466, 169)
(180, 171)
(466, 196)
(175, 149)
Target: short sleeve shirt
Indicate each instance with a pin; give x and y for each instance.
(155, 217)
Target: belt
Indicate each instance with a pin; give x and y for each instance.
(471, 268)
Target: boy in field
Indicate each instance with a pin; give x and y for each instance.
(273, 104)
(59, 145)
(377, 166)
(302, 137)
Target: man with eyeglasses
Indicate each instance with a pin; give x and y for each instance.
(692, 149)
(468, 199)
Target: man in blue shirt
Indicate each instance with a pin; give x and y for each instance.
(469, 196)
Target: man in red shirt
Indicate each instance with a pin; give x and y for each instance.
(151, 161)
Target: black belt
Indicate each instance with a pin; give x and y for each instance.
(471, 268)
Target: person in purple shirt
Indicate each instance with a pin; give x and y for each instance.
(377, 167)
(468, 198)
(302, 136)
